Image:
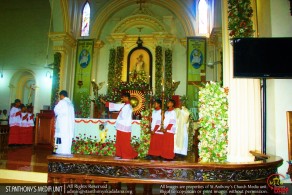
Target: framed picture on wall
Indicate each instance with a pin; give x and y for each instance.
(139, 65)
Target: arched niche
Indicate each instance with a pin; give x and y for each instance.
(139, 62)
(22, 86)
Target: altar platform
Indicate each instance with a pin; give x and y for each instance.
(36, 164)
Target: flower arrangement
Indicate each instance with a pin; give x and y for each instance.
(145, 135)
(239, 18)
(138, 76)
(213, 123)
(88, 145)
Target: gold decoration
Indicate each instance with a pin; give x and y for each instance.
(137, 101)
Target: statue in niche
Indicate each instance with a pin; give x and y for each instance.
(138, 74)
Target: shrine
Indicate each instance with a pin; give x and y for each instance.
(179, 53)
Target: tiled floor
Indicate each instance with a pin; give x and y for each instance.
(25, 158)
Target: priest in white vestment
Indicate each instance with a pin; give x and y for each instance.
(181, 136)
(124, 127)
(64, 127)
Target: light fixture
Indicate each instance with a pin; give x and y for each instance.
(1, 73)
(48, 74)
(212, 64)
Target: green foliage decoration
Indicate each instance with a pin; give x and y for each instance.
(111, 70)
(168, 74)
(55, 80)
(213, 123)
(158, 71)
(145, 135)
(119, 65)
(85, 103)
(239, 18)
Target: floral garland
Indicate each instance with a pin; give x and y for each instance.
(168, 74)
(55, 80)
(145, 135)
(88, 145)
(213, 123)
(239, 18)
(85, 103)
(119, 65)
(111, 71)
(158, 70)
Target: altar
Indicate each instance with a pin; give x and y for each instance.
(90, 127)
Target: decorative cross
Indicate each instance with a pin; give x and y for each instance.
(141, 1)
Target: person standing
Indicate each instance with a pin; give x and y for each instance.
(64, 127)
(156, 135)
(181, 136)
(14, 123)
(169, 131)
(4, 117)
(123, 126)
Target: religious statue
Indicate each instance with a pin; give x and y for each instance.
(139, 74)
(96, 87)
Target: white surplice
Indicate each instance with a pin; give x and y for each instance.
(156, 120)
(64, 128)
(13, 119)
(124, 120)
(170, 119)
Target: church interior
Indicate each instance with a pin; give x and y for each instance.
(152, 49)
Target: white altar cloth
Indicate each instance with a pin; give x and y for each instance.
(87, 127)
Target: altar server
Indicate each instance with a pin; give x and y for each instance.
(181, 135)
(14, 123)
(169, 131)
(123, 126)
(64, 130)
(156, 134)
(26, 128)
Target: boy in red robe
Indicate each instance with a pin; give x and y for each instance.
(156, 134)
(124, 127)
(14, 123)
(169, 131)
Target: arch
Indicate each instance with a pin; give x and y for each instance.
(146, 51)
(59, 14)
(139, 20)
(18, 82)
(114, 6)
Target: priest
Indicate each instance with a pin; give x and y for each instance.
(123, 126)
(181, 136)
(64, 127)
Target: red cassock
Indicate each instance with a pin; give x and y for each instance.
(123, 145)
(156, 142)
(14, 122)
(26, 129)
(168, 145)
(168, 137)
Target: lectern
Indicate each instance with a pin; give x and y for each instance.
(45, 128)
